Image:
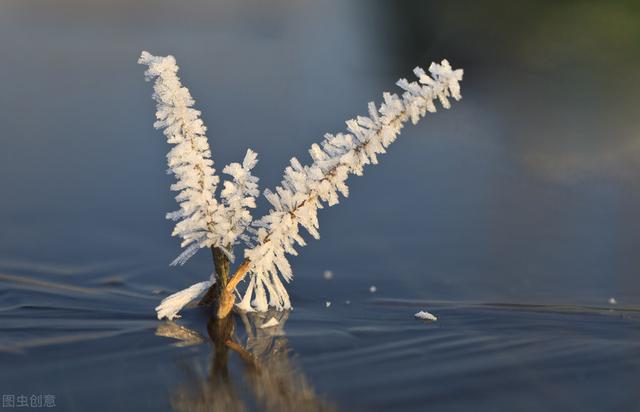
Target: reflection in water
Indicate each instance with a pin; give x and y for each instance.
(185, 336)
(268, 371)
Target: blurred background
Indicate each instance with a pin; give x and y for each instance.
(527, 190)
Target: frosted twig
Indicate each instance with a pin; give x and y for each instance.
(304, 189)
(203, 221)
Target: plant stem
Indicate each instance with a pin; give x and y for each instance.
(227, 298)
(221, 263)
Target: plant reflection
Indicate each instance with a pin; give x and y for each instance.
(269, 381)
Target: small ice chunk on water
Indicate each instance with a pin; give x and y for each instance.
(270, 323)
(372, 289)
(613, 301)
(348, 302)
(327, 303)
(327, 275)
(424, 315)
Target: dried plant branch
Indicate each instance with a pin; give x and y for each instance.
(203, 221)
(305, 189)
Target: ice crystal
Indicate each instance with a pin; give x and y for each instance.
(305, 189)
(239, 195)
(171, 305)
(424, 315)
(201, 221)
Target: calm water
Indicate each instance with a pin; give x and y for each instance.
(514, 217)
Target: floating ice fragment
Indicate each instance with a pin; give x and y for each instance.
(425, 316)
(373, 289)
(270, 323)
(327, 274)
(348, 302)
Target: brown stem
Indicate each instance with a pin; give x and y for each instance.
(227, 298)
(222, 264)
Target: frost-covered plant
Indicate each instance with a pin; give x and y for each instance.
(202, 221)
(303, 190)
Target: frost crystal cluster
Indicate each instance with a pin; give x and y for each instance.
(203, 221)
(305, 189)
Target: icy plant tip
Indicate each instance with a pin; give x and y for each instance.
(206, 219)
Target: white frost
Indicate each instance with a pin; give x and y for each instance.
(171, 305)
(239, 195)
(424, 315)
(201, 221)
(307, 188)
